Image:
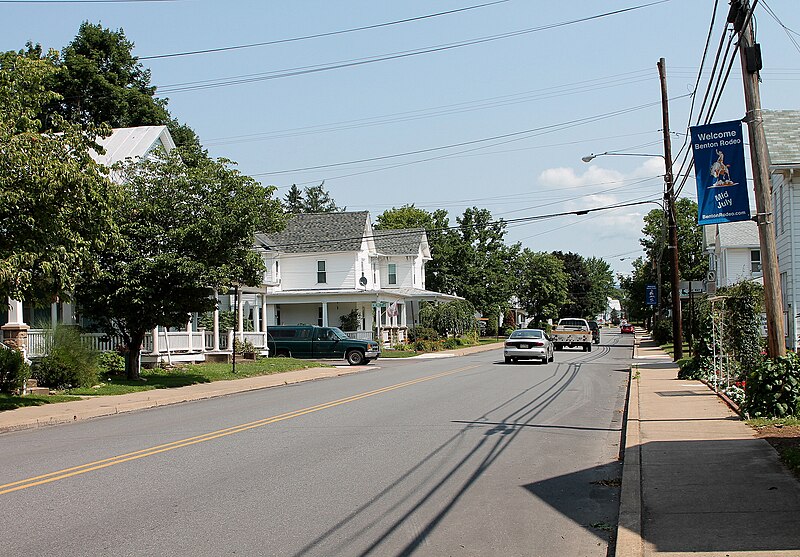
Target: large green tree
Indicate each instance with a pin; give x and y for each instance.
(579, 302)
(55, 201)
(312, 199)
(601, 284)
(542, 284)
(479, 263)
(184, 230)
(692, 265)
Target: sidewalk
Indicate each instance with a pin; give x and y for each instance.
(696, 480)
(65, 412)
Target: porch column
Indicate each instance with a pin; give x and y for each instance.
(403, 317)
(324, 314)
(257, 313)
(15, 332)
(240, 318)
(68, 313)
(264, 312)
(189, 333)
(156, 349)
(54, 314)
(216, 323)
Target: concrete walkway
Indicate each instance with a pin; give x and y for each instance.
(66, 412)
(696, 480)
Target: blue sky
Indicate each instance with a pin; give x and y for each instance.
(550, 94)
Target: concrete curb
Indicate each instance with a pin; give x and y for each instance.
(629, 524)
(33, 417)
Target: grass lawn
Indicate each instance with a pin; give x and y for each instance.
(398, 354)
(670, 349)
(163, 379)
(10, 402)
(784, 435)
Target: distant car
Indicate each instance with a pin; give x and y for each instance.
(626, 328)
(595, 328)
(528, 344)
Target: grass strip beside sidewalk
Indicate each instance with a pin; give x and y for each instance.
(163, 379)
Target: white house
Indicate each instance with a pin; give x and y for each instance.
(782, 129)
(322, 267)
(123, 143)
(735, 254)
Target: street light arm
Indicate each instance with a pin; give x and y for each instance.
(592, 156)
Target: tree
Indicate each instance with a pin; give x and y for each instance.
(313, 199)
(185, 229)
(633, 290)
(578, 303)
(318, 200)
(601, 285)
(407, 216)
(55, 201)
(293, 202)
(692, 265)
(542, 286)
(476, 263)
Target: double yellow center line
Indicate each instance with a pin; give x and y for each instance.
(127, 457)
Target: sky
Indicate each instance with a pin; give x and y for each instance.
(448, 104)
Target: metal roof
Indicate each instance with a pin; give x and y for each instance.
(782, 129)
(319, 232)
(124, 143)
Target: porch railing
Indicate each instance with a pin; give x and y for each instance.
(360, 335)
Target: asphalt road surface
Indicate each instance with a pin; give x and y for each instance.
(463, 456)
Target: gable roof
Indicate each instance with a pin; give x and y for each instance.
(319, 232)
(133, 143)
(782, 129)
(405, 241)
(742, 234)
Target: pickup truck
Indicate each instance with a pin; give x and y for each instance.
(307, 341)
(572, 332)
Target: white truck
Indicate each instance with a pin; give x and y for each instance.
(571, 332)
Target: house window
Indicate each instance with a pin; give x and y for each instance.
(322, 276)
(392, 273)
(755, 261)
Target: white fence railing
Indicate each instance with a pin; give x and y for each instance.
(360, 335)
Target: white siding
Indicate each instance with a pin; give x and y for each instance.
(299, 271)
(737, 266)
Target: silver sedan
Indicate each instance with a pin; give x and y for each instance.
(528, 344)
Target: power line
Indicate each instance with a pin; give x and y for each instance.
(513, 136)
(405, 232)
(320, 35)
(304, 70)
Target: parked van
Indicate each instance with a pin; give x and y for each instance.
(309, 341)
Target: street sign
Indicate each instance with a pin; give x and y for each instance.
(651, 294)
(380, 304)
(693, 286)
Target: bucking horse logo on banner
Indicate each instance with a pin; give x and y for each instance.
(721, 172)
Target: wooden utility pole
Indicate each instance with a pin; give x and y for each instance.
(672, 217)
(750, 54)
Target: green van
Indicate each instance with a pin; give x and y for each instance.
(309, 341)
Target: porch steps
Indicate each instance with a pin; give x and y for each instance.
(32, 388)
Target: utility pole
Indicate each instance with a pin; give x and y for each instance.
(750, 55)
(672, 217)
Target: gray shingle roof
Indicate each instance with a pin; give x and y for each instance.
(323, 232)
(782, 128)
(742, 234)
(399, 242)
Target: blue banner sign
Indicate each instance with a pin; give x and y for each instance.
(719, 170)
(651, 294)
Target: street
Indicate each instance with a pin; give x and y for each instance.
(450, 456)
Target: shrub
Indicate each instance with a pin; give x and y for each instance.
(662, 331)
(773, 388)
(68, 363)
(14, 371)
(111, 363)
(350, 321)
(469, 338)
(427, 346)
(450, 343)
(695, 368)
(422, 333)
